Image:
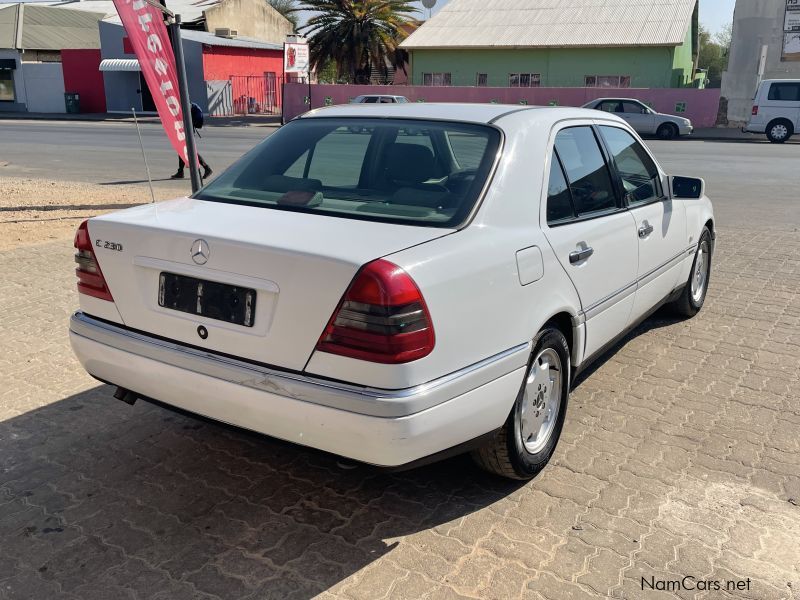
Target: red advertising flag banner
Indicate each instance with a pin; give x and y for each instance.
(145, 27)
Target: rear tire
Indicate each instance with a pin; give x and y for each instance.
(667, 131)
(694, 292)
(529, 436)
(779, 131)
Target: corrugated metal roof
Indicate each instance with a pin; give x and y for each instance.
(51, 28)
(120, 64)
(8, 26)
(190, 11)
(209, 39)
(555, 24)
(48, 28)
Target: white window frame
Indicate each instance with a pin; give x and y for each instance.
(534, 80)
(441, 79)
(607, 81)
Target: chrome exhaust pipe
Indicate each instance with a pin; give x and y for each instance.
(127, 396)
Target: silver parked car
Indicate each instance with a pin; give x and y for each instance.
(642, 118)
(379, 99)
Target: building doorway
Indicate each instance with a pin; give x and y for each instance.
(147, 98)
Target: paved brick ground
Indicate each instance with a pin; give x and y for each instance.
(681, 456)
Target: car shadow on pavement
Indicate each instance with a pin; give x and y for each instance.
(99, 498)
(663, 317)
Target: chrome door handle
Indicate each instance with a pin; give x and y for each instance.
(645, 230)
(579, 255)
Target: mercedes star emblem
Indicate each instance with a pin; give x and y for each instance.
(200, 252)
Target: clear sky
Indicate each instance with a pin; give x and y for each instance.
(714, 14)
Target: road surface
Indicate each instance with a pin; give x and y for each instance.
(748, 181)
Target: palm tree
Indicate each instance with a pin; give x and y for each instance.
(288, 9)
(359, 36)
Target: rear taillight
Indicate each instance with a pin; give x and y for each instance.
(381, 318)
(755, 110)
(90, 278)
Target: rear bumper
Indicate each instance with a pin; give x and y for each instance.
(754, 128)
(382, 427)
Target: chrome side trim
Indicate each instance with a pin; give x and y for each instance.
(661, 269)
(352, 398)
(624, 292)
(610, 300)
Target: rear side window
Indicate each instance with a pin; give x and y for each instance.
(612, 106)
(788, 92)
(392, 170)
(637, 170)
(587, 173)
(559, 203)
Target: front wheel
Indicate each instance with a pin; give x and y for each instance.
(694, 292)
(529, 436)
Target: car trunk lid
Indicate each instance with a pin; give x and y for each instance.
(295, 265)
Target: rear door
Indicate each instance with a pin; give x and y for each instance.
(591, 232)
(638, 117)
(660, 221)
(783, 101)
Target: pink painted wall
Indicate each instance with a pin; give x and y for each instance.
(701, 105)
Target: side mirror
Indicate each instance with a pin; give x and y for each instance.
(687, 187)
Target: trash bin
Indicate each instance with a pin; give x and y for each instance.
(73, 103)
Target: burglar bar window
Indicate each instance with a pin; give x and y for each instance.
(608, 81)
(436, 79)
(526, 80)
(482, 80)
(7, 93)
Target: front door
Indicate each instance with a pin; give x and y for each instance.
(660, 221)
(592, 234)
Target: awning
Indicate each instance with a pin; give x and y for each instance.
(120, 64)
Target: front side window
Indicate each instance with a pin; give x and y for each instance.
(788, 92)
(393, 170)
(7, 93)
(587, 173)
(638, 171)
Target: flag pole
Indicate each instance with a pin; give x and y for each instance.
(183, 89)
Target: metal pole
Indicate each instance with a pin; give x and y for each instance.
(183, 88)
(144, 157)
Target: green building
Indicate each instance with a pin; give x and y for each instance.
(557, 43)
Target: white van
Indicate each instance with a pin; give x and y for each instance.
(776, 109)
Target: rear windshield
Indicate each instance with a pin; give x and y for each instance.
(400, 171)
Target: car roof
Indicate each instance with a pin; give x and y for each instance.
(451, 111)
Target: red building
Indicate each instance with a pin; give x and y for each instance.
(227, 74)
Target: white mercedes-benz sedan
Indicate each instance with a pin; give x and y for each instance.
(428, 285)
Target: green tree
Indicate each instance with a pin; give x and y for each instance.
(287, 8)
(713, 55)
(360, 37)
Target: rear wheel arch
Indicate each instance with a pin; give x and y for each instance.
(563, 322)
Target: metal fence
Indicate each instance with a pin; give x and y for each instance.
(256, 94)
